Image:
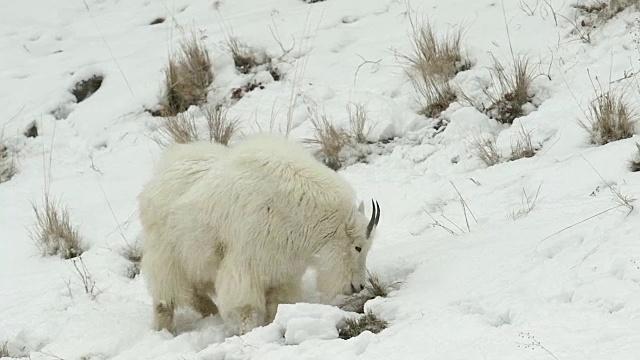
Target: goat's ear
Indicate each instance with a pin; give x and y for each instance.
(361, 208)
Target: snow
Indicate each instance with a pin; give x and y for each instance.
(561, 281)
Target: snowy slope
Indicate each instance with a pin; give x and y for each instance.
(466, 296)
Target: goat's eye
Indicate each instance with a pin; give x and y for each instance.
(358, 248)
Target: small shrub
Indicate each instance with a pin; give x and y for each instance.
(487, 150)
(85, 88)
(610, 118)
(133, 253)
(187, 77)
(330, 139)
(358, 119)
(53, 232)
(511, 89)
(353, 327)
(86, 278)
(634, 163)
(436, 94)
(221, 127)
(7, 164)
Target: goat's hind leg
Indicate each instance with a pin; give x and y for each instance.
(240, 300)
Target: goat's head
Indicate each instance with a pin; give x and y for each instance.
(343, 266)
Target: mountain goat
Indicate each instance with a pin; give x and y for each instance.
(242, 225)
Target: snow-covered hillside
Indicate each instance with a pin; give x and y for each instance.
(496, 278)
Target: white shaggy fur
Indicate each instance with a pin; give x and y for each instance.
(243, 224)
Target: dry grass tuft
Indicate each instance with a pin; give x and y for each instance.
(634, 163)
(358, 120)
(133, 253)
(487, 150)
(245, 58)
(221, 127)
(53, 232)
(181, 128)
(610, 118)
(523, 147)
(436, 55)
(368, 322)
(432, 62)
(4, 350)
(7, 164)
(187, 77)
(511, 89)
(373, 288)
(606, 10)
(330, 139)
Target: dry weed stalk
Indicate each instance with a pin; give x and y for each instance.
(53, 232)
(85, 277)
(523, 147)
(181, 128)
(358, 119)
(528, 203)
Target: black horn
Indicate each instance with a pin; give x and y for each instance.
(375, 217)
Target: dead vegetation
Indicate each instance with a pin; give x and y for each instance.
(133, 253)
(605, 10)
(7, 164)
(187, 77)
(221, 127)
(352, 327)
(431, 63)
(373, 288)
(523, 147)
(634, 163)
(4, 350)
(332, 140)
(609, 118)
(53, 232)
(87, 87)
(510, 90)
(329, 138)
(86, 278)
(183, 127)
(485, 149)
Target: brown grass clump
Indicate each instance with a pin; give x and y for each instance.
(180, 128)
(7, 164)
(373, 288)
(244, 57)
(87, 87)
(523, 147)
(53, 232)
(610, 118)
(358, 123)
(352, 327)
(133, 253)
(511, 89)
(187, 77)
(432, 62)
(4, 350)
(221, 127)
(634, 163)
(330, 139)
(486, 150)
(183, 128)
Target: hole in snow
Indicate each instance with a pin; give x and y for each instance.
(32, 130)
(85, 88)
(157, 21)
